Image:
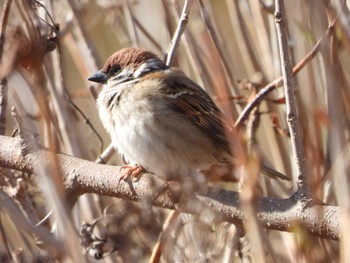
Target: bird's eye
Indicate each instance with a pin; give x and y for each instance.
(114, 70)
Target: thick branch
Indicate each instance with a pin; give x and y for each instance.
(81, 176)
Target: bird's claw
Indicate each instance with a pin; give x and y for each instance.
(130, 171)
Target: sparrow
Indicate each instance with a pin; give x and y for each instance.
(159, 119)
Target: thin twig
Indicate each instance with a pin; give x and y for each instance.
(86, 119)
(179, 31)
(289, 91)
(279, 81)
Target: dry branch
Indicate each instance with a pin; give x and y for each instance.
(291, 105)
(81, 176)
(279, 81)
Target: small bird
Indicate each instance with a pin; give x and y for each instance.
(158, 118)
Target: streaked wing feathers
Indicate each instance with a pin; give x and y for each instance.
(189, 99)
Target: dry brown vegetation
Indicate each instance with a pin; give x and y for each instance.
(69, 207)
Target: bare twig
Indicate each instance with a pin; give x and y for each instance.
(86, 119)
(81, 176)
(289, 91)
(279, 81)
(179, 31)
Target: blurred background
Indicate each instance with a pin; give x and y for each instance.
(230, 48)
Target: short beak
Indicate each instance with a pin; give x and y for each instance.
(99, 77)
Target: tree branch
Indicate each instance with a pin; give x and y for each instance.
(289, 90)
(81, 176)
(279, 81)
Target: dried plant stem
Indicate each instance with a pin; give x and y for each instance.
(218, 46)
(4, 240)
(42, 234)
(344, 16)
(86, 46)
(3, 82)
(249, 59)
(157, 248)
(179, 31)
(289, 91)
(3, 105)
(279, 81)
(3, 23)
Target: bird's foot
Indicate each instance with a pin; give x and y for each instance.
(130, 171)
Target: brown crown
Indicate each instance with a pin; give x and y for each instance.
(132, 57)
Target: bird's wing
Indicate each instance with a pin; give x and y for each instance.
(189, 99)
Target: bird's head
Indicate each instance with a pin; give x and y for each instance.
(128, 64)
